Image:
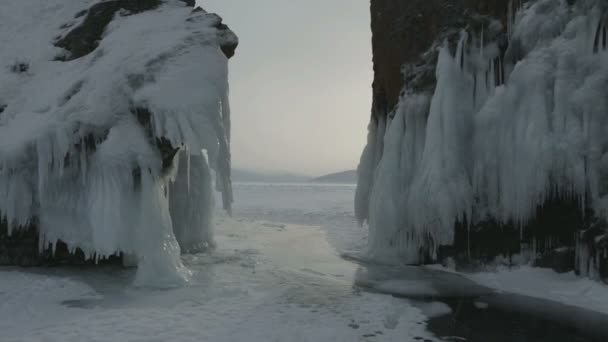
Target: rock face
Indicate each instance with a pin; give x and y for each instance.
(560, 229)
(403, 31)
(85, 38)
(123, 90)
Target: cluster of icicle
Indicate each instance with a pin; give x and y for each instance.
(76, 161)
(493, 144)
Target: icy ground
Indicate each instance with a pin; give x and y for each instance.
(544, 283)
(267, 281)
(329, 206)
(276, 276)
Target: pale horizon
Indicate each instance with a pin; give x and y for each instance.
(300, 83)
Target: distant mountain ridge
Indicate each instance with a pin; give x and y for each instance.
(241, 175)
(345, 177)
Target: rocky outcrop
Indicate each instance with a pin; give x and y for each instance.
(564, 232)
(81, 44)
(404, 33)
(85, 37)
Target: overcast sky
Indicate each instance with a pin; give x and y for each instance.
(300, 82)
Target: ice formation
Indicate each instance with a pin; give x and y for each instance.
(83, 141)
(500, 134)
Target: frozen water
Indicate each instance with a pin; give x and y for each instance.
(329, 206)
(269, 280)
(262, 283)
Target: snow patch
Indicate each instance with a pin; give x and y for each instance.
(565, 288)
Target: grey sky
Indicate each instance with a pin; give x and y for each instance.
(300, 82)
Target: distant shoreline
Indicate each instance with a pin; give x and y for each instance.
(247, 176)
(344, 177)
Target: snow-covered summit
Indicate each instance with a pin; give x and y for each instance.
(98, 102)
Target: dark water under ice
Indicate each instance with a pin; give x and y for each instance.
(480, 314)
(477, 313)
(270, 262)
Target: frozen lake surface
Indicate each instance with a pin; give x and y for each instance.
(329, 206)
(278, 275)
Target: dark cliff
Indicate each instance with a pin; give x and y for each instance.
(563, 233)
(403, 31)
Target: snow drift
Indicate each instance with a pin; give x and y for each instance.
(504, 131)
(102, 137)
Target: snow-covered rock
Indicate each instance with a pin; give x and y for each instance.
(513, 129)
(98, 99)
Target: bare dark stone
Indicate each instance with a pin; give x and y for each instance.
(190, 3)
(21, 247)
(20, 67)
(66, 25)
(594, 240)
(561, 260)
(80, 14)
(85, 38)
(64, 257)
(229, 49)
(167, 152)
(403, 31)
(166, 149)
(228, 45)
(144, 117)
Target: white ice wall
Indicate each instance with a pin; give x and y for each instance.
(480, 151)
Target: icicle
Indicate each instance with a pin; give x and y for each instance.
(604, 37)
(157, 251)
(510, 20)
(168, 189)
(470, 257)
(41, 242)
(597, 43)
(461, 49)
(83, 163)
(529, 142)
(481, 45)
(42, 173)
(188, 163)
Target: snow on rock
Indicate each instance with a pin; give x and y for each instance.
(97, 100)
(543, 283)
(503, 132)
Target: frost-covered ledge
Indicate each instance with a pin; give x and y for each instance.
(114, 120)
(494, 149)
